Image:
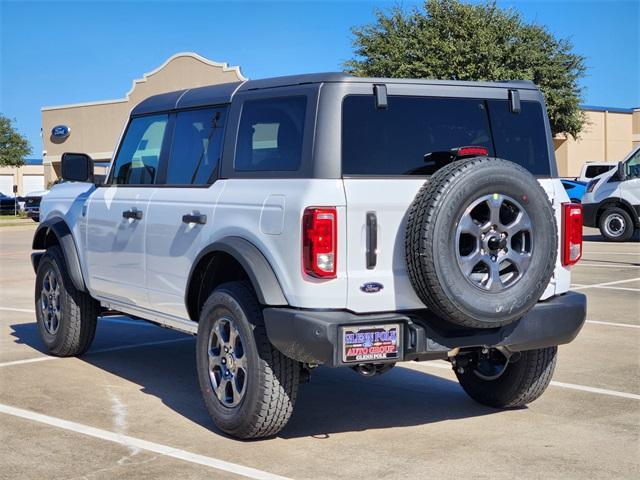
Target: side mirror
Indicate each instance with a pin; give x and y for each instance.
(77, 167)
(621, 171)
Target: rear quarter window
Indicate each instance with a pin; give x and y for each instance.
(270, 135)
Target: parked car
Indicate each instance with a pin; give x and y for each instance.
(594, 169)
(7, 204)
(575, 189)
(612, 200)
(328, 220)
(32, 204)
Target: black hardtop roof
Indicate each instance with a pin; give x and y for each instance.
(223, 93)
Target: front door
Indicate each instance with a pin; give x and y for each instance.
(117, 215)
(631, 185)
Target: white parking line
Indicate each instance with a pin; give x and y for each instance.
(571, 386)
(626, 289)
(100, 350)
(613, 324)
(601, 391)
(617, 282)
(637, 254)
(128, 441)
(606, 265)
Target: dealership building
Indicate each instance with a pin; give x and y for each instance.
(94, 127)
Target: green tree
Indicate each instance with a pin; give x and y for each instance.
(453, 40)
(13, 146)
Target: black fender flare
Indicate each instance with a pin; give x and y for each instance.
(634, 211)
(41, 240)
(261, 274)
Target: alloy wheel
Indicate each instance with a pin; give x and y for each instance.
(50, 301)
(494, 241)
(227, 362)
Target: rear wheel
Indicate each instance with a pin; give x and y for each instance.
(66, 317)
(248, 386)
(616, 225)
(493, 380)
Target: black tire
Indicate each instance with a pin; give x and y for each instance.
(75, 328)
(271, 378)
(431, 243)
(521, 383)
(616, 217)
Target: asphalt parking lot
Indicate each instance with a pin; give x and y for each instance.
(131, 407)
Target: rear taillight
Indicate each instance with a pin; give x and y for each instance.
(571, 233)
(319, 241)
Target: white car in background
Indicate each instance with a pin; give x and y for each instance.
(612, 200)
(31, 204)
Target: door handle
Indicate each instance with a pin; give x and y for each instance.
(132, 214)
(372, 240)
(194, 218)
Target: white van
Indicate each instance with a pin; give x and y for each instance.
(612, 200)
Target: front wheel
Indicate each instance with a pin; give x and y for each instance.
(616, 225)
(66, 317)
(493, 380)
(248, 386)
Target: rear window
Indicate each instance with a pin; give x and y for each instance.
(595, 170)
(398, 140)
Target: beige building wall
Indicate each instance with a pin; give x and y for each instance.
(95, 127)
(608, 137)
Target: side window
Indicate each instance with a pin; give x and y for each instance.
(633, 165)
(270, 134)
(196, 147)
(139, 154)
(595, 170)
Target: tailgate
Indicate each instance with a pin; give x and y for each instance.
(377, 212)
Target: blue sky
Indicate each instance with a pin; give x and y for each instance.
(61, 52)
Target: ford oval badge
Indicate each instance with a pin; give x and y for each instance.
(371, 287)
(60, 131)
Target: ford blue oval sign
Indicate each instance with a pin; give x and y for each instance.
(371, 287)
(60, 131)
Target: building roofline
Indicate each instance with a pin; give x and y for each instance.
(225, 68)
(597, 108)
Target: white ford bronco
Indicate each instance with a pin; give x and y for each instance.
(327, 220)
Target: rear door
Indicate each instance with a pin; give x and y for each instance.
(181, 213)
(385, 161)
(116, 215)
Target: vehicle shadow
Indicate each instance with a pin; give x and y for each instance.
(335, 401)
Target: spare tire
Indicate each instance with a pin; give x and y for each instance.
(481, 242)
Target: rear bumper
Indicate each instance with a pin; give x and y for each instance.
(312, 336)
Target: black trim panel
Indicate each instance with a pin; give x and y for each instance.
(262, 277)
(61, 230)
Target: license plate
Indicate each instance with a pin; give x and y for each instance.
(371, 343)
